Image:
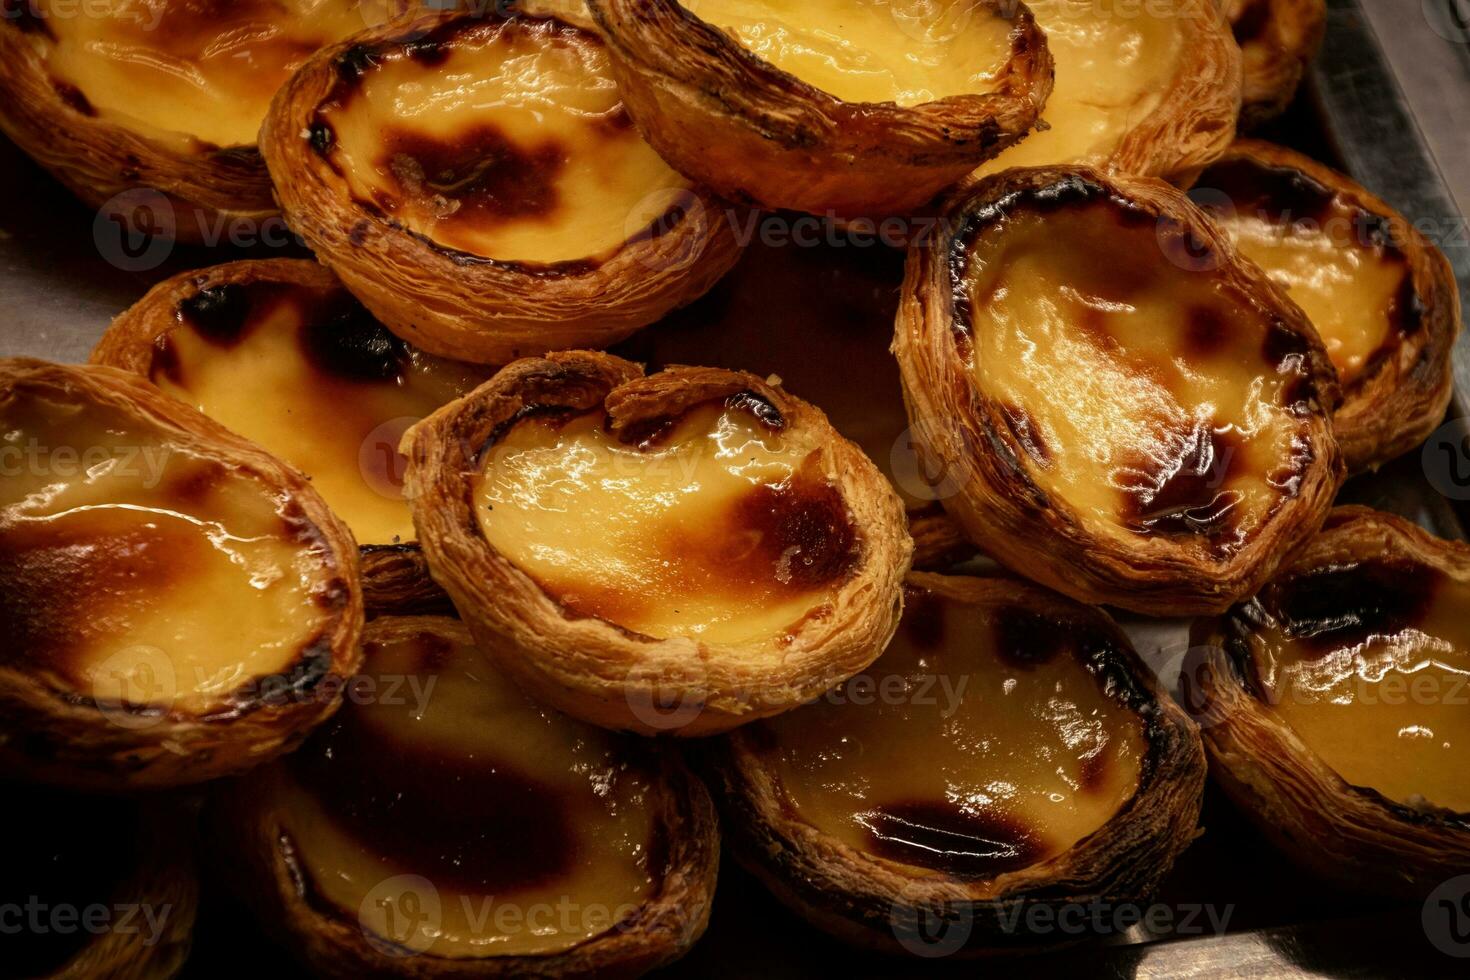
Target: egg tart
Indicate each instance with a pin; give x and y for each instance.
(475, 180)
(177, 604)
(1008, 751)
(166, 95)
(1278, 39)
(1133, 414)
(278, 351)
(678, 552)
(1146, 89)
(96, 887)
(849, 107)
(1383, 298)
(445, 825)
(1336, 705)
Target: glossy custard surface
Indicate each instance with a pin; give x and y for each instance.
(313, 378)
(1113, 68)
(1147, 396)
(503, 139)
(205, 69)
(1338, 263)
(978, 744)
(718, 525)
(871, 50)
(1369, 662)
(132, 569)
(529, 832)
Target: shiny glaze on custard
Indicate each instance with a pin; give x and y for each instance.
(130, 563)
(1151, 398)
(716, 524)
(871, 50)
(1339, 263)
(311, 376)
(1112, 69)
(992, 737)
(198, 71)
(1369, 663)
(496, 801)
(499, 139)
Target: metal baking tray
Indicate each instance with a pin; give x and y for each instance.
(821, 313)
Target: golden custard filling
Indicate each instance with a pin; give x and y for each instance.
(1369, 662)
(1339, 264)
(979, 743)
(872, 50)
(134, 570)
(504, 139)
(1149, 397)
(311, 376)
(1112, 70)
(202, 70)
(460, 819)
(719, 524)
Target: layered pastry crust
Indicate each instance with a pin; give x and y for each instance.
(1382, 296)
(491, 220)
(1333, 705)
(678, 552)
(1152, 90)
(1103, 443)
(161, 95)
(180, 604)
(1278, 39)
(1008, 750)
(278, 351)
(510, 839)
(853, 109)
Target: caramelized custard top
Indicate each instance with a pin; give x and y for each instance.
(984, 741)
(196, 70)
(312, 377)
(717, 524)
(1152, 398)
(1339, 263)
(1369, 662)
(1113, 68)
(134, 571)
(505, 139)
(531, 831)
(872, 50)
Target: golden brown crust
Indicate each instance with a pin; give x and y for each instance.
(1348, 834)
(62, 736)
(468, 307)
(267, 876)
(755, 133)
(999, 505)
(1403, 398)
(599, 672)
(939, 541)
(874, 902)
(1278, 39)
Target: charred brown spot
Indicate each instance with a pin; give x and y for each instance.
(757, 407)
(1289, 353)
(1347, 605)
(321, 137)
(74, 99)
(807, 539)
(1181, 487)
(341, 339)
(219, 314)
(1026, 432)
(923, 622)
(946, 838)
(1027, 639)
(1277, 195)
(648, 434)
(1094, 770)
(1206, 332)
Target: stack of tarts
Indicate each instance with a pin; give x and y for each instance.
(390, 546)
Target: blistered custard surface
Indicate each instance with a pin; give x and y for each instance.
(132, 569)
(1369, 662)
(871, 50)
(1339, 263)
(1113, 68)
(200, 69)
(308, 374)
(717, 524)
(503, 139)
(1147, 396)
(528, 832)
(978, 744)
